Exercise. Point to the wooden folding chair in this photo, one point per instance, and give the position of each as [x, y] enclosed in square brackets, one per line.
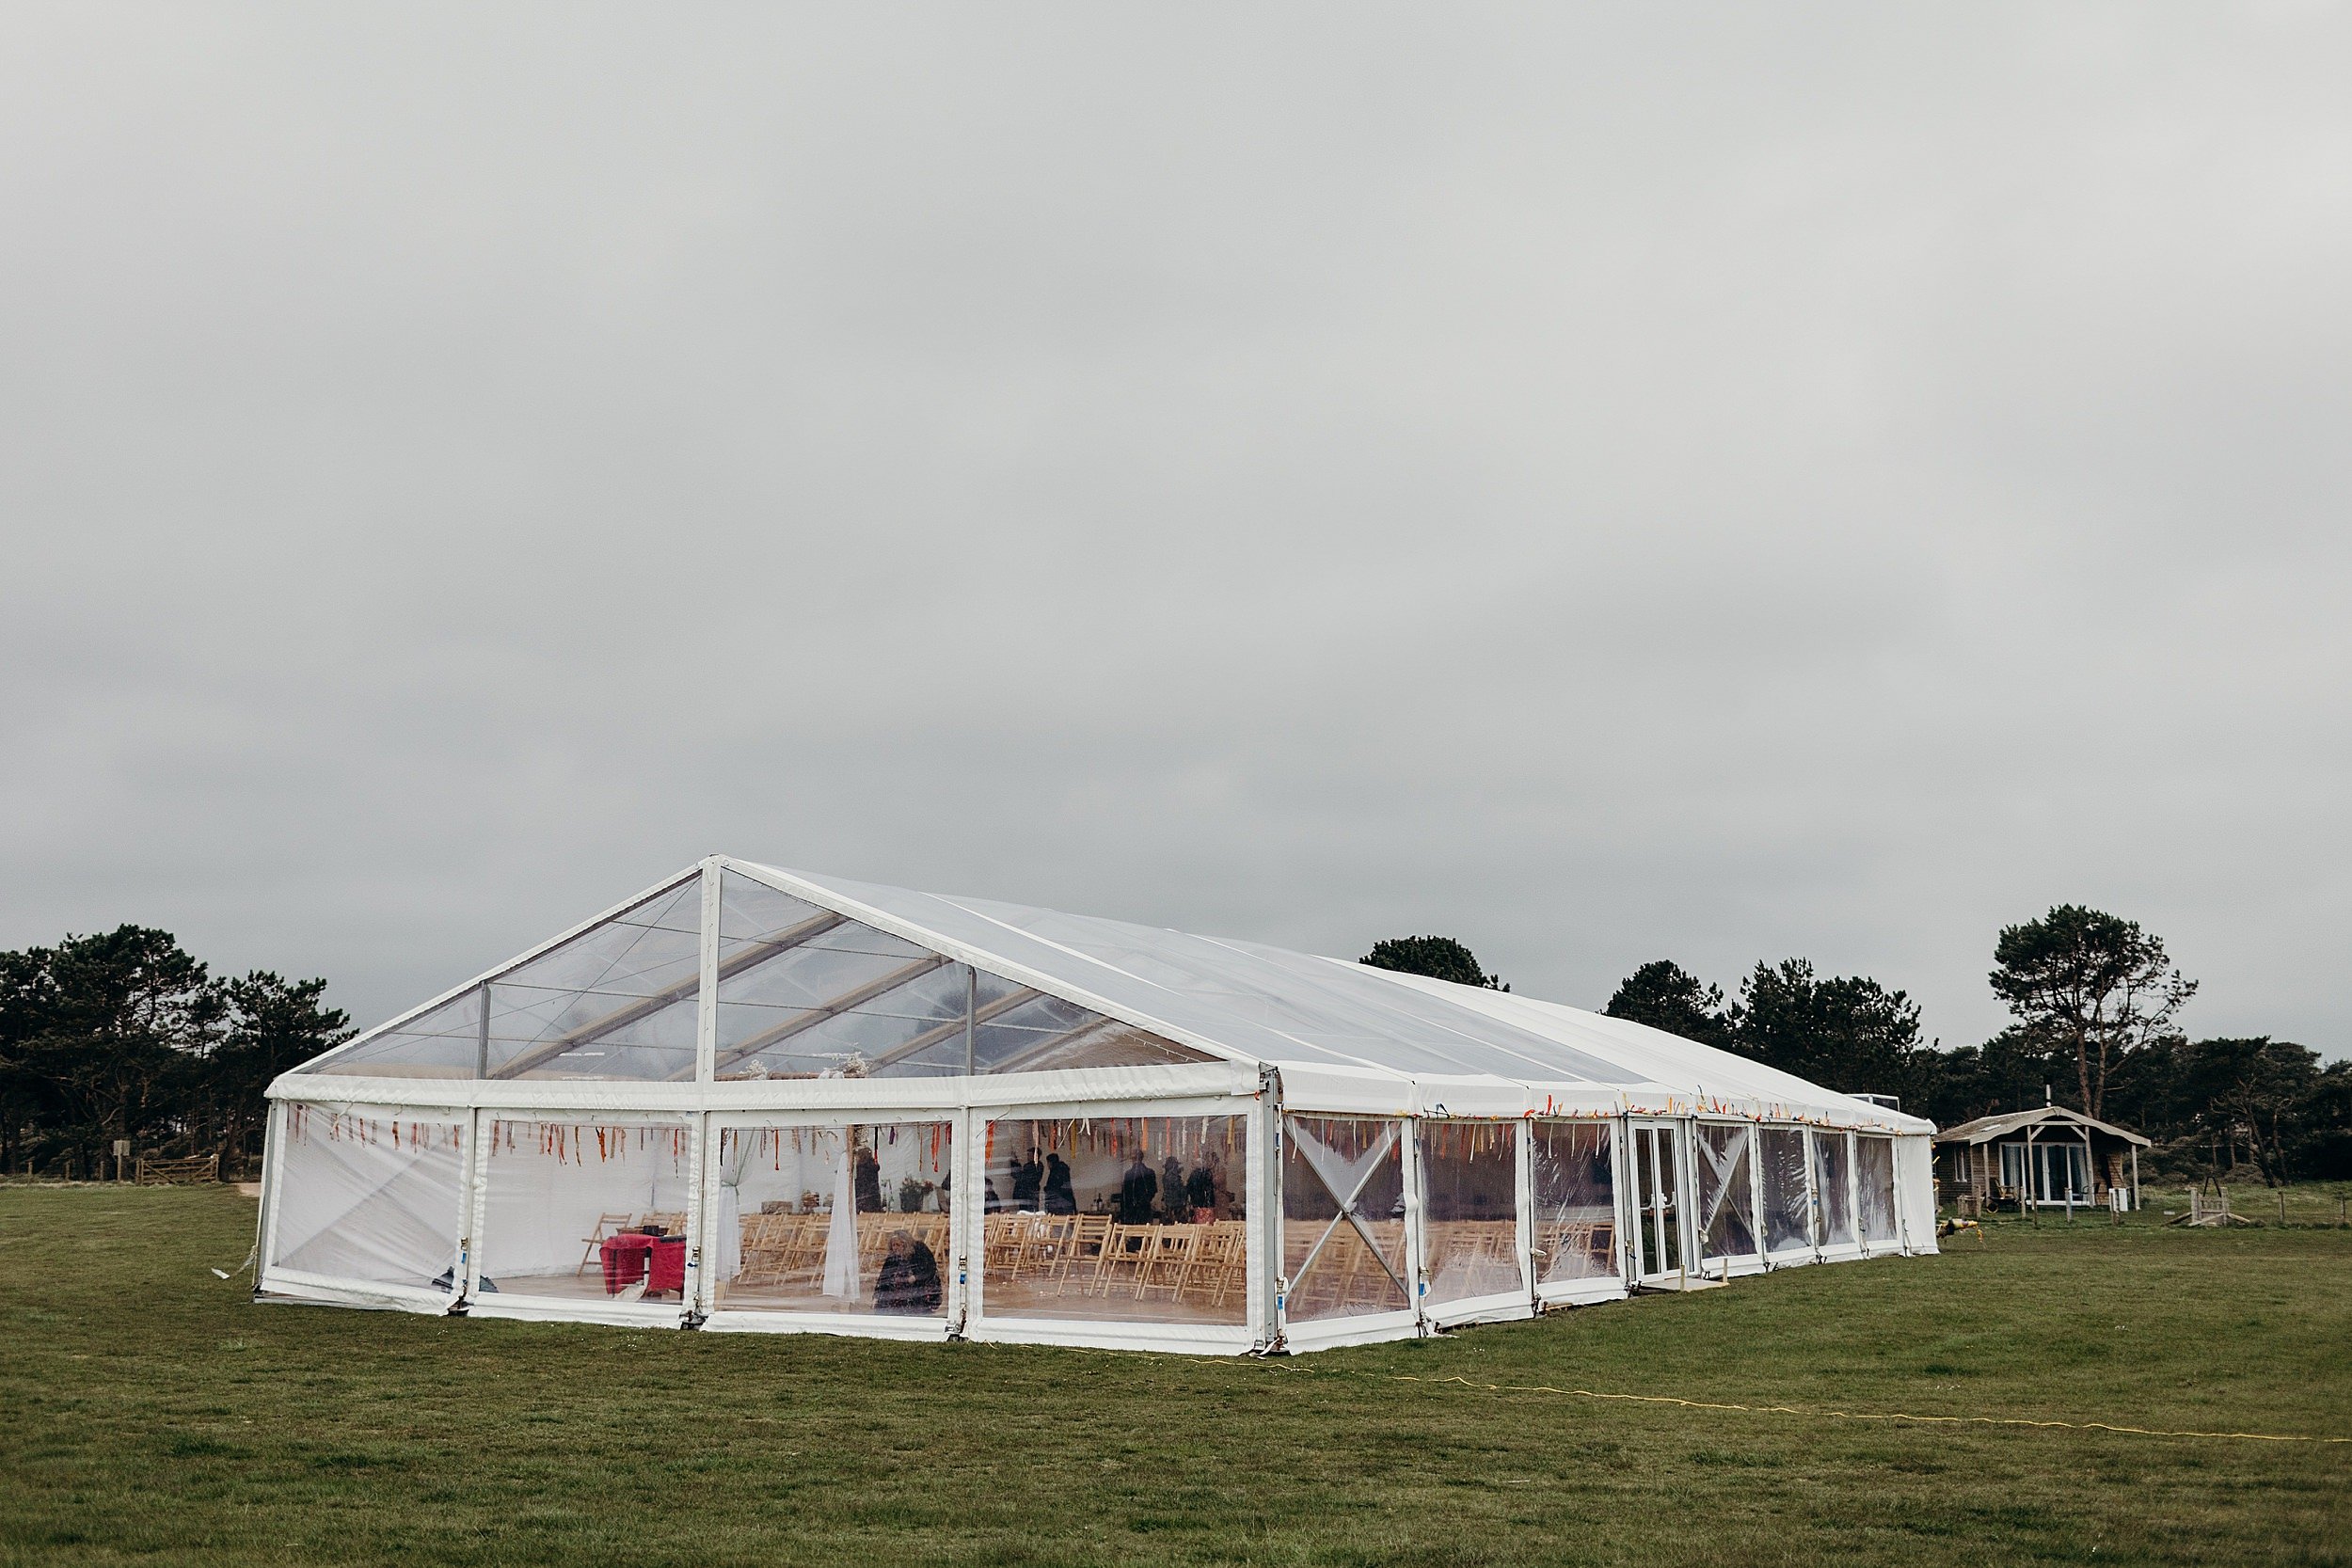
[1222, 1265]
[1123, 1253]
[1081, 1251]
[1039, 1242]
[1169, 1252]
[607, 1224]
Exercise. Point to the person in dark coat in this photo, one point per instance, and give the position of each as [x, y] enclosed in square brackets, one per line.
[1136, 1192]
[1027, 1179]
[865, 1175]
[1200, 1190]
[1173, 1188]
[1059, 1199]
[908, 1280]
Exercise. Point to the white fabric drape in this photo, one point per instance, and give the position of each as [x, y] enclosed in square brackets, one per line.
[726, 1255]
[841, 1239]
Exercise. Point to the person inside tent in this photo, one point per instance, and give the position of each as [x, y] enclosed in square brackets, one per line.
[908, 1280]
[1136, 1192]
[867, 1175]
[1027, 1179]
[1200, 1189]
[1172, 1189]
[1060, 1197]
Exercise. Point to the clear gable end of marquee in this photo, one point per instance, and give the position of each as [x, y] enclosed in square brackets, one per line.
[755, 1099]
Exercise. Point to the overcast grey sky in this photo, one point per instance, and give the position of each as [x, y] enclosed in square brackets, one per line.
[1708, 483]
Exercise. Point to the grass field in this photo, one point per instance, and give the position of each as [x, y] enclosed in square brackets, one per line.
[155, 1415]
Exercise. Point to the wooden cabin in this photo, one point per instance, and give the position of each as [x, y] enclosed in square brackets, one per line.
[2049, 1156]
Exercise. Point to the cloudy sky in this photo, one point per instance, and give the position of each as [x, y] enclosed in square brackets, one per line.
[1713, 484]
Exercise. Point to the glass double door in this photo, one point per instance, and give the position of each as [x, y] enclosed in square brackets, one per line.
[2058, 1169]
[1660, 1248]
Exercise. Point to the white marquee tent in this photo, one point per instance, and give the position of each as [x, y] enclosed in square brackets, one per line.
[758, 1099]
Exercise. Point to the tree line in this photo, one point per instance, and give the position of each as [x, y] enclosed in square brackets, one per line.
[2093, 1001]
[123, 1035]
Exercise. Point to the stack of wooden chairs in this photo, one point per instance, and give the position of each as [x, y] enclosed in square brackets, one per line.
[1591, 1243]
[1346, 1277]
[1205, 1264]
[786, 1252]
[1475, 1257]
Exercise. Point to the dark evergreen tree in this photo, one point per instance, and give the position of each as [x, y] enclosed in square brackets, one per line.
[1438, 958]
[1664, 995]
[1847, 1032]
[2091, 985]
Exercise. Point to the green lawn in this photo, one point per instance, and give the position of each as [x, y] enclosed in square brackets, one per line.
[155, 1415]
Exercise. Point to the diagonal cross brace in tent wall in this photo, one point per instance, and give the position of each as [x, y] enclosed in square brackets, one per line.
[1311, 1145]
[734, 963]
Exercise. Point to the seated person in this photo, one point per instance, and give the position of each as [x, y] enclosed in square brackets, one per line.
[908, 1280]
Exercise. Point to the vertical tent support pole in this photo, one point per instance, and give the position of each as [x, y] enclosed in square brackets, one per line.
[1266, 1220]
[1816, 1230]
[700, 1210]
[482, 1052]
[479, 1127]
[1861, 1243]
[971, 1009]
[698, 1216]
[1756, 1196]
[1527, 1209]
[707, 992]
[1409, 1164]
[1619, 1138]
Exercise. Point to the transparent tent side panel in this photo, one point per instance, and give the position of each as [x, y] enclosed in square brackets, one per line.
[853, 1218]
[1788, 1203]
[1122, 1218]
[1573, 1165]
[1470, 1180]
[588, 1209]
[1726, 1191]
[1833, 1163]
[1874, 1170]
[1343, 1216]
[375, 1197]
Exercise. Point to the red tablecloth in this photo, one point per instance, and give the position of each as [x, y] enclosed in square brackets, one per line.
[659, 1260]
[623, 1260]
[666, 1268]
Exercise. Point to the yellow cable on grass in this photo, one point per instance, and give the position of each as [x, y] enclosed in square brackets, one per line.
[1868, 1415]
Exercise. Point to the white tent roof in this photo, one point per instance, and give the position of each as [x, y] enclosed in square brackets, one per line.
[621, 990]
[1344, 1034]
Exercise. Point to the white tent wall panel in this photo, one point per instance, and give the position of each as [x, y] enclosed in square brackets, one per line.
[1130, 1315]
[371, 1198]
[1915, 1184]
[1564, 1206]
[1475, 1264]
[542, 1185]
